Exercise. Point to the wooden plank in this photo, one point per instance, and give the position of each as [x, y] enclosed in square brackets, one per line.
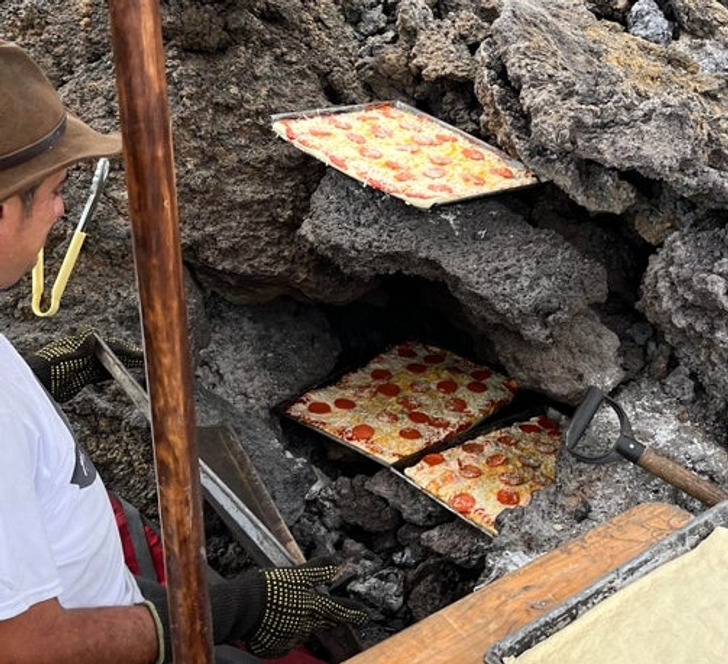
[462, 632]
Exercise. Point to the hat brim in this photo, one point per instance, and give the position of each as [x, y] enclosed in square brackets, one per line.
[78, 143]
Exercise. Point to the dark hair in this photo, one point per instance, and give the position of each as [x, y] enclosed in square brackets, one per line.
[27, 196]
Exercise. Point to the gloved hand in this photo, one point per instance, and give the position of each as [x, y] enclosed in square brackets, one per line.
[67, 365]
[293, 606]
[272, 610]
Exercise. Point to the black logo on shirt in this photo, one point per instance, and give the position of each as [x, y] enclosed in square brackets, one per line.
[84, 472]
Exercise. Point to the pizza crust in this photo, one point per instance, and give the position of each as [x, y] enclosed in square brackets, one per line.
[677, 614]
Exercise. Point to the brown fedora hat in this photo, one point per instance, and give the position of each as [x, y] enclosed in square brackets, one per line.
[38, 136]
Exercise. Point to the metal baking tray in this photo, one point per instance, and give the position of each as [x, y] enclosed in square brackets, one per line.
[671, 547]
[512, 414]
[414, 156]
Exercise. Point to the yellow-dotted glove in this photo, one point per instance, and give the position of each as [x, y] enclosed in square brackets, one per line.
[67, 365]
[295, 606]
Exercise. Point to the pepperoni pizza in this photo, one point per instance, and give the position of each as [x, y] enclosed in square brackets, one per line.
[405, 400]
[480, 478]
[403, 152]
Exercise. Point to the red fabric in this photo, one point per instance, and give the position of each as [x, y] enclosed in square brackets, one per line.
[126, 542]
[157, 552]
[298, 656]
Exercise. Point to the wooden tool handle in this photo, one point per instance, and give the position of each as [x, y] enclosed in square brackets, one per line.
[681, 477]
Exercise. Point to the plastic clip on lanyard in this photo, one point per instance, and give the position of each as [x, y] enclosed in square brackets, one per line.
[69, 261]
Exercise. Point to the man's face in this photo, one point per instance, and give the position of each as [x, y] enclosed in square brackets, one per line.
[23, 231]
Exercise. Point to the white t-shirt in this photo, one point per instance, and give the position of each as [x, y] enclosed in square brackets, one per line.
[58, 536]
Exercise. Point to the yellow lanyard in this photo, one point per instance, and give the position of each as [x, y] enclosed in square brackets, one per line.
[69, 260]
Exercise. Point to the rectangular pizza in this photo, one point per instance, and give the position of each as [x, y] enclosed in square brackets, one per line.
[501, 469]
[403, 152]
[405, 400]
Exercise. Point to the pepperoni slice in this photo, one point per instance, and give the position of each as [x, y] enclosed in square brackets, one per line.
[513, 478]
[472, 448]
[511, 385]
[470, 178]
[529, 428]
[470, 471]
[337, 161]
[387, 416]
[482, 374]
[434, 172]
[344, 404]
[403, 176]
[447, 387]
[362, 432]
[472, 153]
[434, 358]
[394, 165]
[339, 122]
[444, 188]
[411, 149]
[507, 439]
[388, 389]
[409, 403]
[370, 153]
[409, 124]
[424, 139]
[418, 417]
[530, 461]
[439, 422]
[477, 387]
[410, 433]
[416, 368]
[508, 497]
[356, 138]
[381, 374]
[503, 172]
[390, 112]
[547, 423]
[319, 407]
[544, 447]
[433, 459]
[380, 132]
[463, 503]
[496, 459]
[290, 134]
[322, 133]
[439, 160]
[457, 405]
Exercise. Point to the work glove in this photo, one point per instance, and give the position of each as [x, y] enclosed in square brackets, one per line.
[67, 365]
[271, 610]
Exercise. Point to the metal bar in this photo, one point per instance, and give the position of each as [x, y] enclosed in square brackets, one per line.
[149, 164]
[264, 546]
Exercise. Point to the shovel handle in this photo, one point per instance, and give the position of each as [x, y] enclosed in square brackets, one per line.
[681, 477]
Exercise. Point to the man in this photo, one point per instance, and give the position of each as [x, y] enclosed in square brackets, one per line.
[65, 592]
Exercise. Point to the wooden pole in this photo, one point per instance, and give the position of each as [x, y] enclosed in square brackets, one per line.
[148, 156]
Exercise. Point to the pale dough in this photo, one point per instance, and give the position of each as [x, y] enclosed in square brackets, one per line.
[677, 614]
